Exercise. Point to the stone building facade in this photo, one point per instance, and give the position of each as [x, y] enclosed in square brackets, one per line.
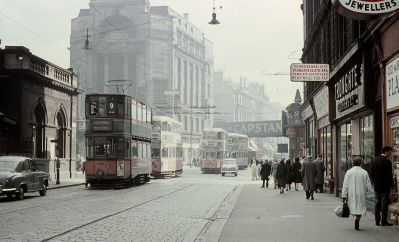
[38, 108]
[349, 115]
[164, 60]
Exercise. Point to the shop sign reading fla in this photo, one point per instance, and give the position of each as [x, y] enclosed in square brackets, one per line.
[361, 9]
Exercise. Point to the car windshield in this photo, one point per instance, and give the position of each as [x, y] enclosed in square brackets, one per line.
[228, 162]
[8, 165]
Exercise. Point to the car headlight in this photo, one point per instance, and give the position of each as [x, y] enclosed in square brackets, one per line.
[5, 182]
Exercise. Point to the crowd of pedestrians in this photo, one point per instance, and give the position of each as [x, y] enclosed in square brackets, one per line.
[358, 184]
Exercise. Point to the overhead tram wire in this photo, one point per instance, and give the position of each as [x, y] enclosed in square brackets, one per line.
[23, 26]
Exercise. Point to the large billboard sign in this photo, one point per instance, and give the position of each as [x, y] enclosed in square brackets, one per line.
[362, 9]
[300, 72]
[271, 128]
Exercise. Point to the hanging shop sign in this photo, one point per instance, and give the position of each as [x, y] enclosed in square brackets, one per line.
[392, 84]
[300, 72]
[320, 101]
[349, 91]
[362, 9]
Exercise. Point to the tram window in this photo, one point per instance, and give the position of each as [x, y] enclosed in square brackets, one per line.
[164, 152]
[139, 112]
[121, 108]
[128, 109]
[164, 126]
[134, 149]
[148, 150]
[140, 150]
[101, 106]
[179, 152]
[134, 110]
[219, 155]
[149, 116]
[155, 153]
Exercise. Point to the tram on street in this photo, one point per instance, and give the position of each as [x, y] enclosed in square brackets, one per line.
[166, 147]
[238, 149]
[118, 140]
[214, 150]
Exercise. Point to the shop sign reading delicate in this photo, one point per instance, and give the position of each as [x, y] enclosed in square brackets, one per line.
[321, 103]
[359, 9]
[392, 84]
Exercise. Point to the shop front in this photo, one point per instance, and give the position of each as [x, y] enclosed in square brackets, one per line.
[392, 115]
[354, 120]
[324, 135]
[309, 119]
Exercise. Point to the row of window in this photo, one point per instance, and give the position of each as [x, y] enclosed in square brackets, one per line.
[116, 147]
[171, 152]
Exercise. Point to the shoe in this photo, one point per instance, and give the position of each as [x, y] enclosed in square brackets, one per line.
[262, 187]
[356, 224]
[311, 197]
[377, 223]
[386, 224]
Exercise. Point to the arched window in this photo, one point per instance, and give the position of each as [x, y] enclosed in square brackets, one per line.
[61, 134]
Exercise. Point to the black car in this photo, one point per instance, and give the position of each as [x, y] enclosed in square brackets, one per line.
[19, 175]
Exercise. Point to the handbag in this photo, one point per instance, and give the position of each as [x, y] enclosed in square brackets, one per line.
[342, 211]
[345, 210]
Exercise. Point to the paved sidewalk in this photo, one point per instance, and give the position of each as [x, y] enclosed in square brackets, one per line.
[77, 180]
[265, 215]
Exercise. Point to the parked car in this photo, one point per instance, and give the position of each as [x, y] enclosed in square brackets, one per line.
[229, 166]
[19, 175]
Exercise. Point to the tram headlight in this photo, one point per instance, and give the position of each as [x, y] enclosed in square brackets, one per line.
[100, 172]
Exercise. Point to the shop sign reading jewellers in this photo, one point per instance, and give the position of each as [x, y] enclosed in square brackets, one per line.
[349, 91]
[362, 9]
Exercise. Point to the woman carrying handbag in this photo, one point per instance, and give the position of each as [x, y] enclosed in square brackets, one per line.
[357, 186]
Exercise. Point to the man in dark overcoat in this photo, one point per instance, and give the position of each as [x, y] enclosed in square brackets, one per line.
[308, 177]
[382, 178]
[320, 168]
[282, 175]
[265, 173]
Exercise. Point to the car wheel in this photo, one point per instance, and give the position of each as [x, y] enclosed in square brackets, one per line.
[222, 174]
[235, 173]
[43, 191]
[9, 195]
[20, 194]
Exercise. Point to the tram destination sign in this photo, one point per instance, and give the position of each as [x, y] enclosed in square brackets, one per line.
[270, 128]
[300, 72]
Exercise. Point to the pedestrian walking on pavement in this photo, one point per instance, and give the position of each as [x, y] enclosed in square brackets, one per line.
[320, 168]
[265, 173]
[381, 176]
[308, 177]
[297, 178]
[282, 175]
[289, 175]
[258, 167]
[274, 170]
[254, 170]
[357, 186]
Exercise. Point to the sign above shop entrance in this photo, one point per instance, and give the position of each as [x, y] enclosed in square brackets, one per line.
[362, 9]
[392, 84]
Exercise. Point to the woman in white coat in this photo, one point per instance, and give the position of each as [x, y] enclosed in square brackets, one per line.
[254, 170]
[357, 186]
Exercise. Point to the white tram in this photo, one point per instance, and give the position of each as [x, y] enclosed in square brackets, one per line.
[214, 150]
[166, 147]
[238, 149]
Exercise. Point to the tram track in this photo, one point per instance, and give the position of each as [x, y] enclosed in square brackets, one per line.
[47, 203]
[114, 214]
[214, 217]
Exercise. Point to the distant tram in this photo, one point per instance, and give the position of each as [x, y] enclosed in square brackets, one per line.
[214, 150]
[238, 149]
[118, 140]
[166, 147]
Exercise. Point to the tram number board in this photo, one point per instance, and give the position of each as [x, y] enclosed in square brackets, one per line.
[101, 125]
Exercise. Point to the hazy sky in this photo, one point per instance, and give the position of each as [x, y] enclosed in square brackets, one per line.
[254, 37]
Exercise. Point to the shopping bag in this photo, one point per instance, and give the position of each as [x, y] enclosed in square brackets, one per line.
[342, 211]
[345, 210]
